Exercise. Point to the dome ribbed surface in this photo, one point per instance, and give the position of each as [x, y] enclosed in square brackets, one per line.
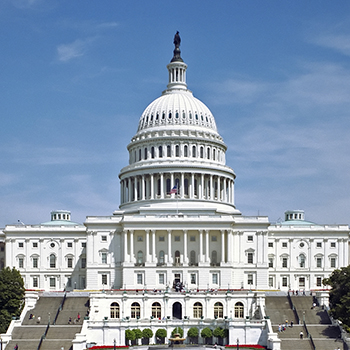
[177, 108]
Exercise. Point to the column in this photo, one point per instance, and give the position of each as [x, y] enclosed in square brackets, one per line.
[200, 245]
[143, 187]
[152, 186]
[172, 181]
[153, 246]
[201, 187]
[212, 194]
[147, 246]
[182, 185]
[125, 245]
[129, 189]
[121, 185]
[225, 191]
[192, 186]
[207, 246]
[185, 248]
[131, 246]
[161, 185]
[135, 189]
[219, 189]
[231, 246]
[169, 247]
[222, 246]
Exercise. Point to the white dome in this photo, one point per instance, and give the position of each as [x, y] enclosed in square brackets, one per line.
[178, 108]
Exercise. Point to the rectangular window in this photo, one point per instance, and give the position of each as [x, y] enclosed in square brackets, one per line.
[215, 278]
[332, 244]
[139, 238]
[284, 281]
[319, 244]
[250, 238]
[270, 281]
[333, 262]
[20, 263]
[192, 238]
[104, 279]
[214, 238]
[70, 244]
[301, 281]
[193, 278]
[35, 244]
[319, 262]
[104, 238]
[284, 245]
[104, 258]
[52, 282]
[319, 281]
[250, 258]
[35, 263]
[270, 244]
[284, 262]
[139, 278]
[161, 238]
[83, 263]
[270, 262]
[35, 282]
[20, 244]
[83, 244]
[70, 263]
[250, 279]
[161, 278]
[177, 238]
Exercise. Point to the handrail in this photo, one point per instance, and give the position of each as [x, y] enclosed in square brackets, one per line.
[60, 307]
[293, 308]
[43, 336]
[309, 336]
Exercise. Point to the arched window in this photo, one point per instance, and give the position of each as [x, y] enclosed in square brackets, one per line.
[168, 186]
[145, 155]
[214, 154]
[194, 151]
[53, 261]
[168, 151]
[140, 154]
[202, 152]
[185, 151]
[156, 310]
[302, 260]
[158, 187]
[161, 257]
[197, 310]
[192, 257]
[218, 310]
[177, 257]
[177, 151]
[214, 257]
[152, 152]
[140, 257]
[160, 152]
[114, 309]
[239, 310]
[208, 152]
[195, 189]
[135, 310]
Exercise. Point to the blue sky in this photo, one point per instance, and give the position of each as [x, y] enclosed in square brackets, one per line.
[76, 76]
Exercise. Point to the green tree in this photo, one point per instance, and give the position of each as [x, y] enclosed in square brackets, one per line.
[219, 333]
[339, 295]
[178, 330]
[206, 334]
[193, 333]
[161, 334]
[147, 333]
[11, 296]
[129, 335]
[138, 334]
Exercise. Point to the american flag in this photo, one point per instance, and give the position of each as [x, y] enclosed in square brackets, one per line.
[174, 189]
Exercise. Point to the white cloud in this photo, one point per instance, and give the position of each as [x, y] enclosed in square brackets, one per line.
[67, 52]
[338, 42]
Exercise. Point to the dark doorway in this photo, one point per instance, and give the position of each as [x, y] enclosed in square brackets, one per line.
[177, 310]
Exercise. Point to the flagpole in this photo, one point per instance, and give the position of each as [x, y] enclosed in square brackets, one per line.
[177, 200]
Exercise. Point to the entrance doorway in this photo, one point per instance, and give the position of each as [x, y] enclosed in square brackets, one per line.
[177, 310]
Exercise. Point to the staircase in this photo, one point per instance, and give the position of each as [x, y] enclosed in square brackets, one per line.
[59, 335]
[324, 335]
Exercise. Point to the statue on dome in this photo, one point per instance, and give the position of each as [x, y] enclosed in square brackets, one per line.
[177, 39]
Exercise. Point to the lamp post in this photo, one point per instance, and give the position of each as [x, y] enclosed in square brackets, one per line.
[0, 343]
[114, 344]
[237, 343]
